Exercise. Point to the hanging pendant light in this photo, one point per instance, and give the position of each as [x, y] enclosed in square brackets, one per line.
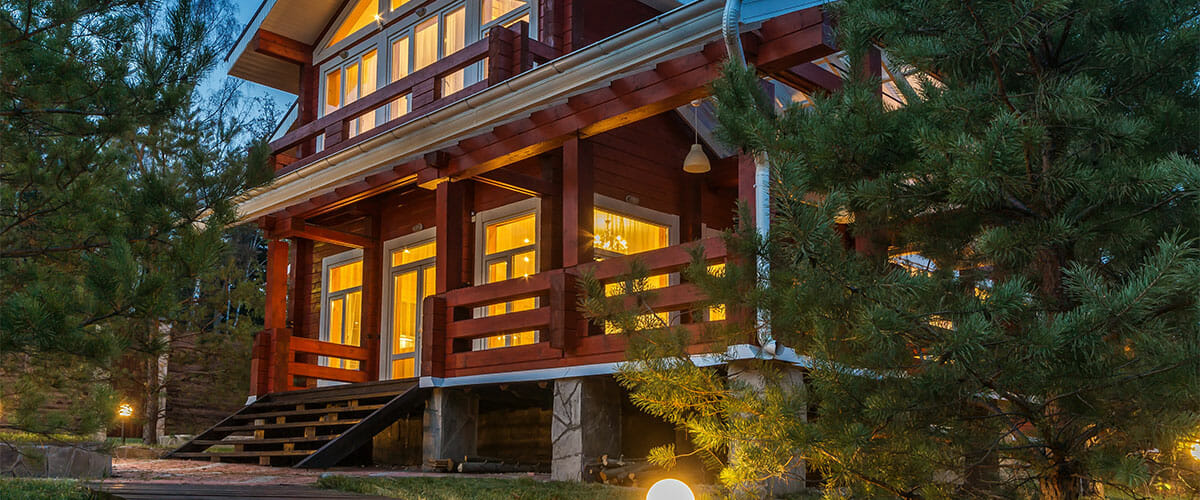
[696, 161]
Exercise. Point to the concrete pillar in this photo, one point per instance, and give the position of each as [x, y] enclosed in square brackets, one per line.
[449, 425]
[791, 378]
[586, 424]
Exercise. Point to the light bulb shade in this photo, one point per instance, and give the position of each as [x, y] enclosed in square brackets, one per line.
[696, 161]
[670, 489]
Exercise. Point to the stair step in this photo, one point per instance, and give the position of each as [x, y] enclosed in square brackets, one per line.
[288, 425]
[313, 439]
[311, 411]
[289, 400]
[232, 454]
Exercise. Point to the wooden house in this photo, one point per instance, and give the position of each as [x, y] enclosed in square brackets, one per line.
[448, 171]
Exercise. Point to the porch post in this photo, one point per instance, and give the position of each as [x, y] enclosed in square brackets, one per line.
[578, 202]
[275, 319]
[372, 314]
[453, 217]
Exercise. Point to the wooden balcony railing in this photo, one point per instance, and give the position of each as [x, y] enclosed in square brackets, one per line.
[566, 339]
[506, 52]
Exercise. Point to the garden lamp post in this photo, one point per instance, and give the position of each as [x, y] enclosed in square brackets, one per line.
[124, 411]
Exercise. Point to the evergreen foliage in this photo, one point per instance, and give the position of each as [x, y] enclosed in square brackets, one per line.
[115, 188]
[1044, 179]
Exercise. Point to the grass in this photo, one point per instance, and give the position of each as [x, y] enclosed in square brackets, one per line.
[29, 437]
[44, 489]
[446, 488]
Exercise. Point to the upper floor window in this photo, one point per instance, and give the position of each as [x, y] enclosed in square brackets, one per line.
[363, 13]
[350, 82]
[502, 12]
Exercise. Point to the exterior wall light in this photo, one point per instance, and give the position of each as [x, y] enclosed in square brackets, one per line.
[670, 489]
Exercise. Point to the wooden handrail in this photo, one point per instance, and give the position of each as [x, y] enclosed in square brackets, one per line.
[322, 348]
[663, 260]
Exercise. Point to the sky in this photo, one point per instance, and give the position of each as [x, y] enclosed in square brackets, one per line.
[245, 10]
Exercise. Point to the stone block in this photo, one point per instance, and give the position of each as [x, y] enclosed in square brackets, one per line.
[586, 424]
[53, 461]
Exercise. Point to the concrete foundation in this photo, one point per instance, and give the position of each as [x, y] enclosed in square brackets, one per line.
[586, 424]
[449, 423]
[792, 378]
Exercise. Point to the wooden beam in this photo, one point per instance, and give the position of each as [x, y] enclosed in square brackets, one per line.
[745, 177]
[790, 41]
[578, 202]
[302, 266]
[527, 185]
[281, 47]
[296, 228]
[810, 78]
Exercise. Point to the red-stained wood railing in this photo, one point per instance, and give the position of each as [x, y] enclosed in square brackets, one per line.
[451, 323]
[506, 52]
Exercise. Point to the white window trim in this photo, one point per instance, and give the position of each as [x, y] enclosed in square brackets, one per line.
[482, 220]
[385, 346]
[328, 263]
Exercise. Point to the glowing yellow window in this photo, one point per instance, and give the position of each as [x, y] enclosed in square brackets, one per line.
[344, 305]
[616, 235]
[717, 312]
[510, 251]
[492, 10]
[413, 275]
[363, 14]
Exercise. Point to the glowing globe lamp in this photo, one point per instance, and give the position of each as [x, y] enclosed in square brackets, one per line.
[1196, 451]
[670, 489]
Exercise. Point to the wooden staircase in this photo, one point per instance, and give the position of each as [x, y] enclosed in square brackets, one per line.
[307, 428]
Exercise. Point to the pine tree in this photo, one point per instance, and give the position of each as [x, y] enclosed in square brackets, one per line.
[997, 285]
[115, 184]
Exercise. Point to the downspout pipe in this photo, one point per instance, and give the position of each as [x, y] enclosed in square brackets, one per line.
[731, 21]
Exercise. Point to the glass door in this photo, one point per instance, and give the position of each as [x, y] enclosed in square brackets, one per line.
[412, 279]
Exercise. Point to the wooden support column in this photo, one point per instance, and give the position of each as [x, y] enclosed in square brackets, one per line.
[578, 202]
[275, 317]
[372, 298]
[453, 216]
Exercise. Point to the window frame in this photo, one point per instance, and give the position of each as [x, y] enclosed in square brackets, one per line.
[385, 347]
[327, 264]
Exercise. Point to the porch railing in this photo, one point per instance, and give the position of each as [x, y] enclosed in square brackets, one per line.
[505, 52]
[450, 325]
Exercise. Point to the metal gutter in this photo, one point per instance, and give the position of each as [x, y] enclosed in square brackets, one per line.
[733, 353]
[665, 36]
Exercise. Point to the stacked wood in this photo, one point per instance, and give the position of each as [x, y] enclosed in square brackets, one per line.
[620, 471]
[481, 465]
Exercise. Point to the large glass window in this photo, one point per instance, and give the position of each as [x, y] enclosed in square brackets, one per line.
[361, 15]
[618, 234]
[343, 310]
[349, 83]
[413, 279]
[510, 251]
